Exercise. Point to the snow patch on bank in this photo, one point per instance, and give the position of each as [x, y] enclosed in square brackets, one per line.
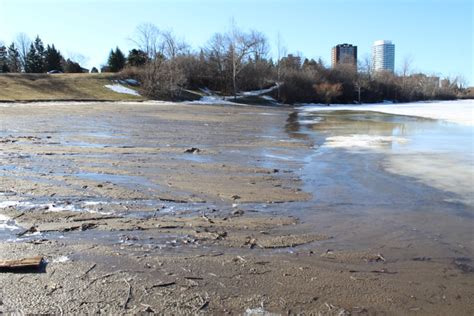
[259, 92]
[121, 89]
[459, 111]
[212, 99]
[269, 98]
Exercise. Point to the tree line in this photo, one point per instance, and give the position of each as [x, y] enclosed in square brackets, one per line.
[234, 61]
[238, 60]
[24, 55]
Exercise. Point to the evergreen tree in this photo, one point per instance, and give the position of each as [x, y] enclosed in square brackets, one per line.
[39, 46]
[35, 57]
[116, 60]
[120, 59]
[52, 58]
[40, 54]
[136, 58]
[3, 59]
[111, 61]
[30, 59]
[13, 58]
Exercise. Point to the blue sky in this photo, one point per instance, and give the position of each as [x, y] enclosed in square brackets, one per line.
[436, 35]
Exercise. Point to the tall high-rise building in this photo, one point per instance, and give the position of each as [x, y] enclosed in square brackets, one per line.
[383, 56]
[344, 54]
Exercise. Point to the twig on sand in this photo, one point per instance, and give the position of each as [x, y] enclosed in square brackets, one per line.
[383, 271]
[97, 218]
[105, 276]
[205, 303]
[129, 294]
[164, 284]
[193, 278]
[379, 257]
[172, 200]
[19, 215]
[88, 270]
[203, 306]
[32, 229]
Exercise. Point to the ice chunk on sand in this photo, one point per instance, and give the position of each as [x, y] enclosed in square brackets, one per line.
[6, 223]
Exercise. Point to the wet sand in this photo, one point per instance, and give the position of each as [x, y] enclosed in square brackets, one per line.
[262, 217]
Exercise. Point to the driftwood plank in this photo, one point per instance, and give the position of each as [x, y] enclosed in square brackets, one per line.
[21, 264]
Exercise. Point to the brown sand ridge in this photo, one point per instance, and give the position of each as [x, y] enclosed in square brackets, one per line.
[129, 222]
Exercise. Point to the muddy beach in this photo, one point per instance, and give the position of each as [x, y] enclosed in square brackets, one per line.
[154, 207]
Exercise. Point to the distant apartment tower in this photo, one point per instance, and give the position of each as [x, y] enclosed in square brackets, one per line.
[383, 56]
[344, 54]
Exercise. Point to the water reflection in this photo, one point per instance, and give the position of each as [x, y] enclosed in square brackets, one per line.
[293, 127]
[349, 122]
[423, 134]
[435, 153]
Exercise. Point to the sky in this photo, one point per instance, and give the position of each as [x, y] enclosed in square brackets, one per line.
[436, 36]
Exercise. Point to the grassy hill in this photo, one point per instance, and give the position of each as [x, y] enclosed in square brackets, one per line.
[43, 87]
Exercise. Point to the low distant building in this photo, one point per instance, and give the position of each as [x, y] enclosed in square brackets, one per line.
[344, 54]
[383, 56]
[105, 69]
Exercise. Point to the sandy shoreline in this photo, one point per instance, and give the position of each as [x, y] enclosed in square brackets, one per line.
[133, 223]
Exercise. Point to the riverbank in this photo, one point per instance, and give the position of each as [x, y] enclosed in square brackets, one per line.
[65, 87]
[110, 87]
[171, 207]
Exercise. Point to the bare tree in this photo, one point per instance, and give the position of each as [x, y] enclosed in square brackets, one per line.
[163, 74]
[366, 66]
[262, 48]
[172, 47]
[150, 77]
[23, 43]
[215, 61]
[241, 46]
[228, 54]
[461, 82]
[406, 66]
[408, 84]
[281, 51]
[148, 39]
[154, 42]
[260, 64]
[163, 78]
[216, 50]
